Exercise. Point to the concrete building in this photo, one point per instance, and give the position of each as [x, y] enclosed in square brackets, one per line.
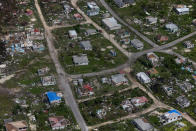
[93, 9]
[80, 60]
[151, 20]
[171, 27]
[168, 90]
[170, 116]
[53, 98]
[143, 77]
[111, 23]
[124, 3]
[48, 81]
[101, 113]
[127, 105]
[142, 124]
[153, 58]
[119, 79]
[90, 32]
[139, 101]
[188, 44]
[137, 44]
[183, 101]
[58, 122]
[16, 126]
[181, 9]
[73, 34]
[86, 45]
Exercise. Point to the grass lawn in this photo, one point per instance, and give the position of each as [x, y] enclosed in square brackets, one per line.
[98, 59]
[181, 49]
[112, 103]
[160, 10]
[120, 126]
[98, 87]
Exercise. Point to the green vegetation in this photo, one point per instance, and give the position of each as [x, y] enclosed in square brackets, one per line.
[112, 105]
[161, 10]
[98, 59]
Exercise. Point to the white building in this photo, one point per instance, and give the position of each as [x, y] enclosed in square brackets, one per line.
[170, 116]
[181, 9]
[93, 9]
[153, 58]
[80, 60]
[111, 23]
[188, 44]
[171, 27]
[73, 34]
[143, 77]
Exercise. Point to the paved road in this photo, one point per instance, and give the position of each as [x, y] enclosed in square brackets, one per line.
[63, 82]
[127, 25]
[104, 33]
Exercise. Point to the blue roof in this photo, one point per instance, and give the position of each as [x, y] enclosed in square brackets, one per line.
[52, 96]
[174, 111]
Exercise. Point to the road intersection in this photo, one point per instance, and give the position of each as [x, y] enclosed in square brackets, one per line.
[63, 77]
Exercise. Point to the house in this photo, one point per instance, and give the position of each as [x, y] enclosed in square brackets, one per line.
[171, 27]
[86, 45]
[152, 72]
[124, 3]
[168, 90]
[80, 60]
[153, 58]
[86, 90]
[194, 22]
[93, 9]
[119, 79]
[123, 33]
[170, 116]
[67, 8]
[105, 80]
[125, 41]
[43, 71]
[142, 124]
[181, 9]
[73, 34]
[188, 44]
[180, 60]
[137, 44]
[139, 101]
[48, 81]
[101, 113]
[151, 20]
[113, 53]
[53, 97]
[185, 86]
[183, 101]
[90, 32]
[141, 76]
[16, 126]
[111, 23]
[77, 16]
[162, 38]
[127, 105]
[58, 122]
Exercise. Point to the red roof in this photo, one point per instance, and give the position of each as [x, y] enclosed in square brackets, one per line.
[88, 87]
[36, 30]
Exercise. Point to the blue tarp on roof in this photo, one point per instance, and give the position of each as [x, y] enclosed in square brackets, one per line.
[174, 111]
[52, 96]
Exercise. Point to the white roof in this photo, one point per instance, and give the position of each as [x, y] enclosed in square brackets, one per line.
[143, 76]
[72, 33]
[111, 22]
[92, 5]
[185, 9]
